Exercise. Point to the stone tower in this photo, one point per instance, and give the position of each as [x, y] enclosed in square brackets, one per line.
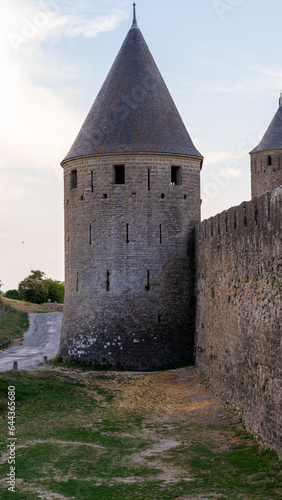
[266, 158]
[132, 201]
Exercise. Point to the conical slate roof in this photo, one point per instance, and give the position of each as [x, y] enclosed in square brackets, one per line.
[272, 138]
[134, 111]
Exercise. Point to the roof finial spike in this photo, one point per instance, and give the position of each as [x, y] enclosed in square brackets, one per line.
[134, 15]
[280, 99]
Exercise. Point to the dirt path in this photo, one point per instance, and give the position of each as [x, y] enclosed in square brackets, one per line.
[41, 339]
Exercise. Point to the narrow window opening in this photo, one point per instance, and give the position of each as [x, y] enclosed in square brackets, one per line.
[119, 174]
[269, 161]
[256, 215]
[161, 236]
[108, 282]
[149, 180]
[73, 179]
[159, 319]
[212, 229]
[127, 233]
[175, 176]
[185, 197]
[268, 209]
[77, 282]
[92, 181]
[245, 217]
[105, 196]
[235, 221]
[82, 198]
[162, 195]
[90, 235]
[147, 287]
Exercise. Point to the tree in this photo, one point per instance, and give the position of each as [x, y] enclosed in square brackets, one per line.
[13, 294]
[56, 291]
[37, 289]
[36, 275]
[33, 290]
[1, 284]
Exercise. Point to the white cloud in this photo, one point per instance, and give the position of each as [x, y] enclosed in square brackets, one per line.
[31, 21]
[38, 125]
[234, 173]
[222, 156]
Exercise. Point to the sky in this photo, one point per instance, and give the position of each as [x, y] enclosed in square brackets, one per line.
[221, 60]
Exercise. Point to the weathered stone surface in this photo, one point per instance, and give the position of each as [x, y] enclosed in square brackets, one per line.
[238, 325]
[265, 176]
[115, 312]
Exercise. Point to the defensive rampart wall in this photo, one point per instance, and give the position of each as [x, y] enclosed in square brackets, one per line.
[238, 325]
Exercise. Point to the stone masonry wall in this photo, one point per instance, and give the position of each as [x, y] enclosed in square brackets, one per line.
[130, 260]
[239, 305]
[266, 171]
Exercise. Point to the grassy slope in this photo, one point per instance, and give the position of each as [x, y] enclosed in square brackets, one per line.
[13, 326]
[27, 307]
[115, 436]
[15, 323]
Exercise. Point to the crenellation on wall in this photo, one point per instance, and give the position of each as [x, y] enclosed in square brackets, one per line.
[254, 215]
[238, 318]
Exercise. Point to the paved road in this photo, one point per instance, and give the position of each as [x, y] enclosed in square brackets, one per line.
[41, 339]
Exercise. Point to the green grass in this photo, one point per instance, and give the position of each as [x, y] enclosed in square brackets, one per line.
[13, 326]
[77, 438]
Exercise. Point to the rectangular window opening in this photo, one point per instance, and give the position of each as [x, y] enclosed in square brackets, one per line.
[161, 236]
[73, 179]
[149, 180]
[159, 319]
[127, 233]
[147, 287]
[92, 181]
[175, 176]
[108, 282]
[77, 282]
[90, 235]
[119, 174]
[162, 196]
